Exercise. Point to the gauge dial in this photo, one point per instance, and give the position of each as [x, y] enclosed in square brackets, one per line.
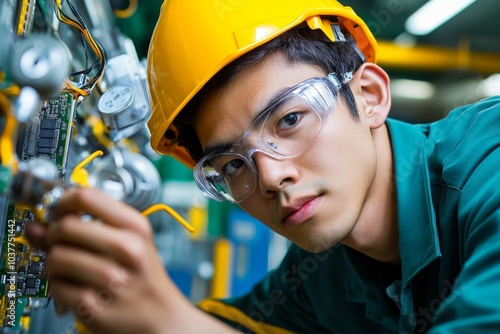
[116, 99]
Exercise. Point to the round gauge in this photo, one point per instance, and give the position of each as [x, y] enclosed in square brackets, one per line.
[116, 99]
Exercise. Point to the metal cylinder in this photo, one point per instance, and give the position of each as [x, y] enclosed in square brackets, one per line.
[127, 176]
[41, 62]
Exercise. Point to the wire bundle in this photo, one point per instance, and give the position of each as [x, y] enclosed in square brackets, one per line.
[81, 90]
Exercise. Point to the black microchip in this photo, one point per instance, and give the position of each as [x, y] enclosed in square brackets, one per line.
[48, 124]
[45, 142]
[31, 283]
[43, 150]
[21, 248]
[47, 133]
[33, 267]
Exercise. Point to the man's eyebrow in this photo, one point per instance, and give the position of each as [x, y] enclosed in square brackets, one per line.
[273, 104]
[217, 147]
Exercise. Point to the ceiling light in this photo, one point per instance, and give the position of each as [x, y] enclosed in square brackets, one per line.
[433, 14]
[412, 89]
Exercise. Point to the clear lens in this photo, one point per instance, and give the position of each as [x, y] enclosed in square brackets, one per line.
[289, 130]
[286, 129]
[227, 177]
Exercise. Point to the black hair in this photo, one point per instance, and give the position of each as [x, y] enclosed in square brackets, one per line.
[300, 45]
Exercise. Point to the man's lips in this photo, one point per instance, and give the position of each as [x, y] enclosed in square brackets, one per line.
[299, 210]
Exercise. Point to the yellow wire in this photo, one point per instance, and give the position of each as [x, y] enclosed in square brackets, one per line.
[22, 17]
[62, 17]
[7, 155]
[169, 210]
[12, 90]
[4, 104]
[75, 90]
[88, 159]
[79, 174]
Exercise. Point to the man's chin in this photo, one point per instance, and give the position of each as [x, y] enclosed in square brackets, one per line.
[316, 247]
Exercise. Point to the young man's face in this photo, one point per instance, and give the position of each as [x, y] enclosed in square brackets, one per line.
[313, 199]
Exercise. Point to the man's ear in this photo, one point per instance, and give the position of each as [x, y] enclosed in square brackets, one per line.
[375, 93]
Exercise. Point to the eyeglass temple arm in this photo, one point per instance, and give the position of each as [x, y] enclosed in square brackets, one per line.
[335, 81]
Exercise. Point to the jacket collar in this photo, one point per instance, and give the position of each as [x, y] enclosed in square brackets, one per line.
[418, 237]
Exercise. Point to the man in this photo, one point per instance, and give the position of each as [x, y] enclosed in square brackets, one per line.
[280, 107]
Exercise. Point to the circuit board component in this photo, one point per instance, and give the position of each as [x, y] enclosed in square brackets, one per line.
[22, 269]
[49, 134]
[23, 276]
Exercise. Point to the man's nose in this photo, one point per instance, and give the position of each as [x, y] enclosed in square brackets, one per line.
[274, 174]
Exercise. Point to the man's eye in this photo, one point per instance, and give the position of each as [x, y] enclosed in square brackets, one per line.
[232, 167]
[288, 121]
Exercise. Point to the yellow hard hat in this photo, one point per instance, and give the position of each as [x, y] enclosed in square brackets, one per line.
[193, 40]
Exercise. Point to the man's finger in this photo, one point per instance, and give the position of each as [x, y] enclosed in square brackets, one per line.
[88, 201]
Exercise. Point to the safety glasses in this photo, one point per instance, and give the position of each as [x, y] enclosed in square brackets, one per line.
[283, 130]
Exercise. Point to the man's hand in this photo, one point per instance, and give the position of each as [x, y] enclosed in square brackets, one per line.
[106, 270]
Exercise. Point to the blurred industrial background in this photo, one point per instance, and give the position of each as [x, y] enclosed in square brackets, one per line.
[449, 57]
[454, 63]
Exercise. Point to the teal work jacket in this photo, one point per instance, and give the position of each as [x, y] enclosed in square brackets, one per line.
[447, 178]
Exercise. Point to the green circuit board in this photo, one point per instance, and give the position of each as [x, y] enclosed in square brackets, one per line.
[49, 134]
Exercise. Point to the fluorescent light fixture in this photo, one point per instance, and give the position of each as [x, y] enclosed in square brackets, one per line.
[433, 14]
[412, 89]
